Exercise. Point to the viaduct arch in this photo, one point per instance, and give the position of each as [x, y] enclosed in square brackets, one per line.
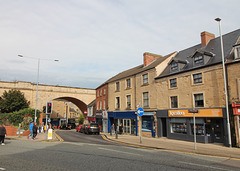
[81, 97]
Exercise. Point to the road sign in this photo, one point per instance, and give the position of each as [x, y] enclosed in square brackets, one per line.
[140, 111]
[193, 111]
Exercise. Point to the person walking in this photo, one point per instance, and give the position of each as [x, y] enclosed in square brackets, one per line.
[34, 131]
[2, 134]
[31, 130]
[120, 128]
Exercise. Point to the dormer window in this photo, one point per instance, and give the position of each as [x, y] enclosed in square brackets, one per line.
[174, 67]
[198, 60]
[237, 52]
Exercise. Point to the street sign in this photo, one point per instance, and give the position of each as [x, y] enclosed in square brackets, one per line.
[193, 111]
[140, 111]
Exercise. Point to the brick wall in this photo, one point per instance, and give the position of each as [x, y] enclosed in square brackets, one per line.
[12, 131]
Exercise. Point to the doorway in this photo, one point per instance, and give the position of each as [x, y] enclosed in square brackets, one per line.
[164, 127]
[127, 126]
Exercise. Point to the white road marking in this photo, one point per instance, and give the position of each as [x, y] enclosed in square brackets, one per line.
[2, 168]
[119, 151]
[194, 164]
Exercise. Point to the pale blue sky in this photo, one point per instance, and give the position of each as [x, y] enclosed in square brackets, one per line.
[96, 39]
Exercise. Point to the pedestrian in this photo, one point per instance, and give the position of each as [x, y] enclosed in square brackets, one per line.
[2, 134]
[31, 130]
[112, 129]
[120, 128]
[35, 130]
[44, 128]
[39, 129]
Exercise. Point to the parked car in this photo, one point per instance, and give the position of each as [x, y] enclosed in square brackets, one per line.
[92, 128]
[65, 126]
[78, 128]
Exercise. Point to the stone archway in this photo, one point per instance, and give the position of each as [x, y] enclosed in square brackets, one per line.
[80, 104]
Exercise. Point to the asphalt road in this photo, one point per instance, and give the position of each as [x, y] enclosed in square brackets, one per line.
[90, 152]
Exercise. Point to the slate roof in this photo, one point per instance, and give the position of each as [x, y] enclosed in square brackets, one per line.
[212, 48]
[138, 69]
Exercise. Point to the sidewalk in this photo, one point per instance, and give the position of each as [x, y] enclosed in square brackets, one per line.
[39, 137]
[177, 145]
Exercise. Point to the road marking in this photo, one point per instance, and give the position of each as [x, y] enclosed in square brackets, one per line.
[194, 164]
[118, 151]
[2, 168]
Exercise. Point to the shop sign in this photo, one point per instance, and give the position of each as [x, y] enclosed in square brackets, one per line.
[202, 113]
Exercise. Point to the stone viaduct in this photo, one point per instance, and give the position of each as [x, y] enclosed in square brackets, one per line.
[81, 97]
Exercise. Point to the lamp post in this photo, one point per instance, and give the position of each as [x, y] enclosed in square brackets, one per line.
[35, 116]
[225, 83]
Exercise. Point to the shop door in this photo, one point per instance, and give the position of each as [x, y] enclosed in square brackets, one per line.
[217, 131]
[127, 126]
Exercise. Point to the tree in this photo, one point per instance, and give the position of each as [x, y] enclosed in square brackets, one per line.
[13, 101]
[81, 119]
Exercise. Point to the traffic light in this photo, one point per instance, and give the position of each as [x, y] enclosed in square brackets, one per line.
[49, 108]
[44, 109]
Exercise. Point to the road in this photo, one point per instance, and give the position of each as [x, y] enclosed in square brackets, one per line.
[91, 152]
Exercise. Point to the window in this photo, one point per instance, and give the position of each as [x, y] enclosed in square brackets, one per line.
[101, 92]
[197, 78]
[146, 123]
[237, 52]
[145, 78]
[104, 91]
[174, 67]
[97, 93]
[101, 105]
[179, 128]
[104, 104]
[145, 99]
[173, 83]
[128, 101]
[198, 98]
[198, 60]
[117, 102]
[199, 129]
[128, 83]
[97, 105]
[117, 86]
[174, 102]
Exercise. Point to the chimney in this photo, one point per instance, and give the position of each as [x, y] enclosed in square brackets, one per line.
[206, 37]
[149, 57]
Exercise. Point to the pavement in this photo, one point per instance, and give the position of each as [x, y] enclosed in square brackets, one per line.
[40, 137]
[164, 144]
[209, 149]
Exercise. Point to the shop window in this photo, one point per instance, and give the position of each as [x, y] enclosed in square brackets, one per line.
[145, 99]
[117, 102]
[198, 98]
[174, 102]
[197, 78]
[179, 128]
[145, 78]
[146, 123]
[117, 86]
[128, 82]
[199, 129]
[128, 101]
[173, 83]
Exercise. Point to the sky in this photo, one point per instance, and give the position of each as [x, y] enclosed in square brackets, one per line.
[96, 39]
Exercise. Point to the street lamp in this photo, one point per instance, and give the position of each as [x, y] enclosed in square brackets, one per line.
[225, 83]
[56, 60]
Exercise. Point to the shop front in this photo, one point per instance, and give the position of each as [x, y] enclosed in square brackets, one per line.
[148, 127]
[127, 119]
[178, 124]
[99, 119]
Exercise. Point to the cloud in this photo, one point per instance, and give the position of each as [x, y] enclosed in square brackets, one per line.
[95, 40]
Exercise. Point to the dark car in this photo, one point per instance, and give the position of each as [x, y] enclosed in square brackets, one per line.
[92, 128]
[65, 126]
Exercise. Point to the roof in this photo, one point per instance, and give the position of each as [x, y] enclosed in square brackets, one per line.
[138, 69]
[212, 49]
